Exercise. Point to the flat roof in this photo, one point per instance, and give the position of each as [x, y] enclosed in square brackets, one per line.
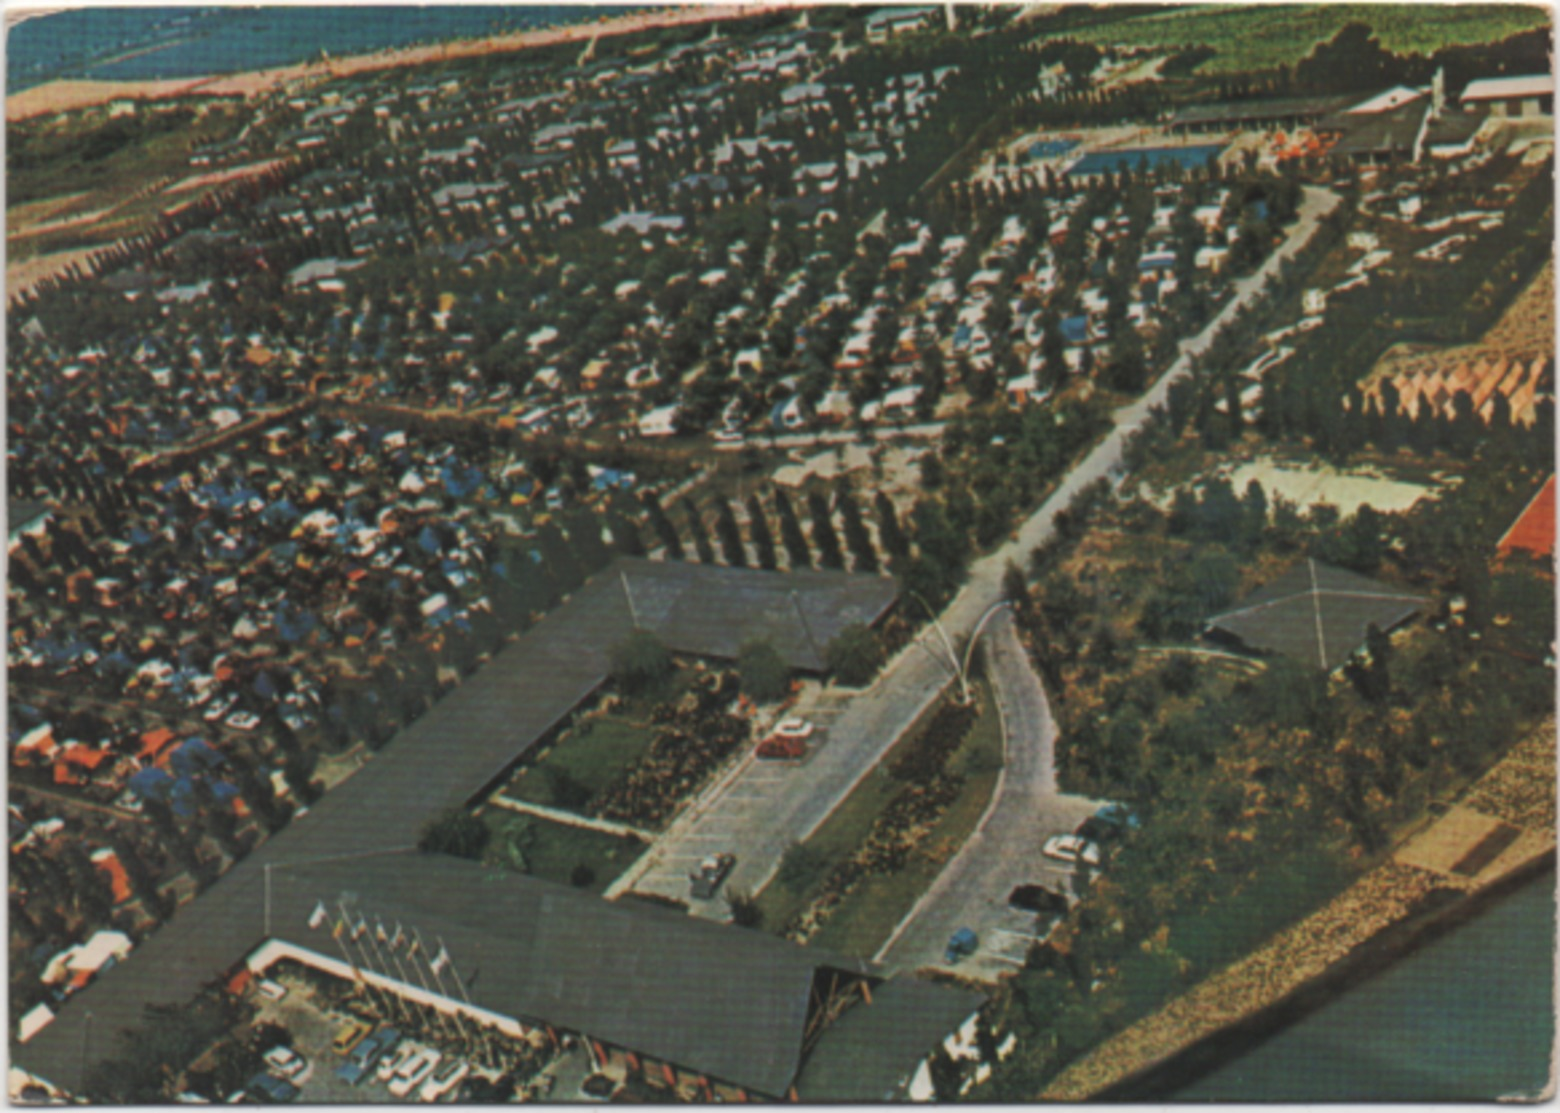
[1496, 88]
[464, 743]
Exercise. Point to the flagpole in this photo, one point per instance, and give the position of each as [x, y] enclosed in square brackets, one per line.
[464, 996]
[373, 991]
[435, 968]
[437, 1012]
[380, 958]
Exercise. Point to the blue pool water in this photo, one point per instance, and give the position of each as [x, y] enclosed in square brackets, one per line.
[1131, 158]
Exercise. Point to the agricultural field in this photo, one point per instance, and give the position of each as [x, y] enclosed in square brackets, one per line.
[1246, 39]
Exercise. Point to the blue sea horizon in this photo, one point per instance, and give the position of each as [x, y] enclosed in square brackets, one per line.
[148, 44]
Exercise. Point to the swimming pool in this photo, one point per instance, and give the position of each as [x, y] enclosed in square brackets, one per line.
[1131, 158]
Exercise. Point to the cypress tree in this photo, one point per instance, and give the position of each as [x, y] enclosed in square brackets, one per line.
[791, 533]
[730, 535]
[701, 536]
[856, 535]
[758, 531]
[663, 526]
[824, 537]
[894, 540]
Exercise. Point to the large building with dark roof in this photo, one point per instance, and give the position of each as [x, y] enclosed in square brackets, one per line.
[728, 1004]
[1315, 614]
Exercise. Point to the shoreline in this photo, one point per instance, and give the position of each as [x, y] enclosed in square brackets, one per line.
[70, 94]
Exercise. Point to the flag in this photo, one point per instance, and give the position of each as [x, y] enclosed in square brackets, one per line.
[380, 933]
[411, 952]
[318, 916]
[360, 929]
[395, 940]
[440, 960]
[340, 929]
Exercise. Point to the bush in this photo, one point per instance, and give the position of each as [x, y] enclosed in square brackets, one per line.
[854, 656]
[456, 832]
[640, 662]
[764, 674]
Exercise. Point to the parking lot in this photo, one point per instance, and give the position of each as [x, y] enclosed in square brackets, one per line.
[723, 820]
[314, 1025]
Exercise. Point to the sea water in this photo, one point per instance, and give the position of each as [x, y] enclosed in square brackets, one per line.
[1469, 1017]
[141, 44]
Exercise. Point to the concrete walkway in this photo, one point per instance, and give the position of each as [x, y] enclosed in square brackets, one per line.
[570, 819]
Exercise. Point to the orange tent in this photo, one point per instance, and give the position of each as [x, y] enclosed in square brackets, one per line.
[154, 741]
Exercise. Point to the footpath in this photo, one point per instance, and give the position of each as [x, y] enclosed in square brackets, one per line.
[1501, 831]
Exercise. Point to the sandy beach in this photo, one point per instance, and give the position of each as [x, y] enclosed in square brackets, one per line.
[64, 96]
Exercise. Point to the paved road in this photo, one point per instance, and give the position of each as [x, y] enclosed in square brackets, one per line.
[1004, 851]
[758, 809]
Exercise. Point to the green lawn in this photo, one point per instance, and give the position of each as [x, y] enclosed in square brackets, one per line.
[1257, 38]
[568, 773]
[864, 920]
[557, 851]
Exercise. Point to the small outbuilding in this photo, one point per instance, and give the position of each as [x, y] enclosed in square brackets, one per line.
[1315, 614]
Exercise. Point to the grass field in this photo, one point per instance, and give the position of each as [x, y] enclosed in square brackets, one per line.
[864, 920]
[558, 852]
[1252, 37]
[583, 764]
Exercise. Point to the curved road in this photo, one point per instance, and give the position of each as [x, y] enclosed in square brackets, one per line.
[1004, 850]
[758, 809]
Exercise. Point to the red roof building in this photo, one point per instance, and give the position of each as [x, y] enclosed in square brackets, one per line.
[1534, 529]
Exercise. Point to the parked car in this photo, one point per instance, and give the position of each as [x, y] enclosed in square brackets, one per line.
[391, 1065]
[710, 873]
[1072, 849]
[415, 1071]
[349, 1035]
[270, 1090]
[366, 1055]
[284, 1062]
[793, 728]
[445, 1080]
[961, 945]
[1038, 899]
[269, 989]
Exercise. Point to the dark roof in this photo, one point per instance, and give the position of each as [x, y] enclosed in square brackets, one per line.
[728, 1002]
[453, 752]
[20, 513]
[1316, 614]
[1454, 127]
[1256, 111]
[871, 1052]
[712, 611]
[1390, 132]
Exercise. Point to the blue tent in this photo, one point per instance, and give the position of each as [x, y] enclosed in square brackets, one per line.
[193, 757]
[183, 797]
[428, 540]
[1075, 330]
[151, 784]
